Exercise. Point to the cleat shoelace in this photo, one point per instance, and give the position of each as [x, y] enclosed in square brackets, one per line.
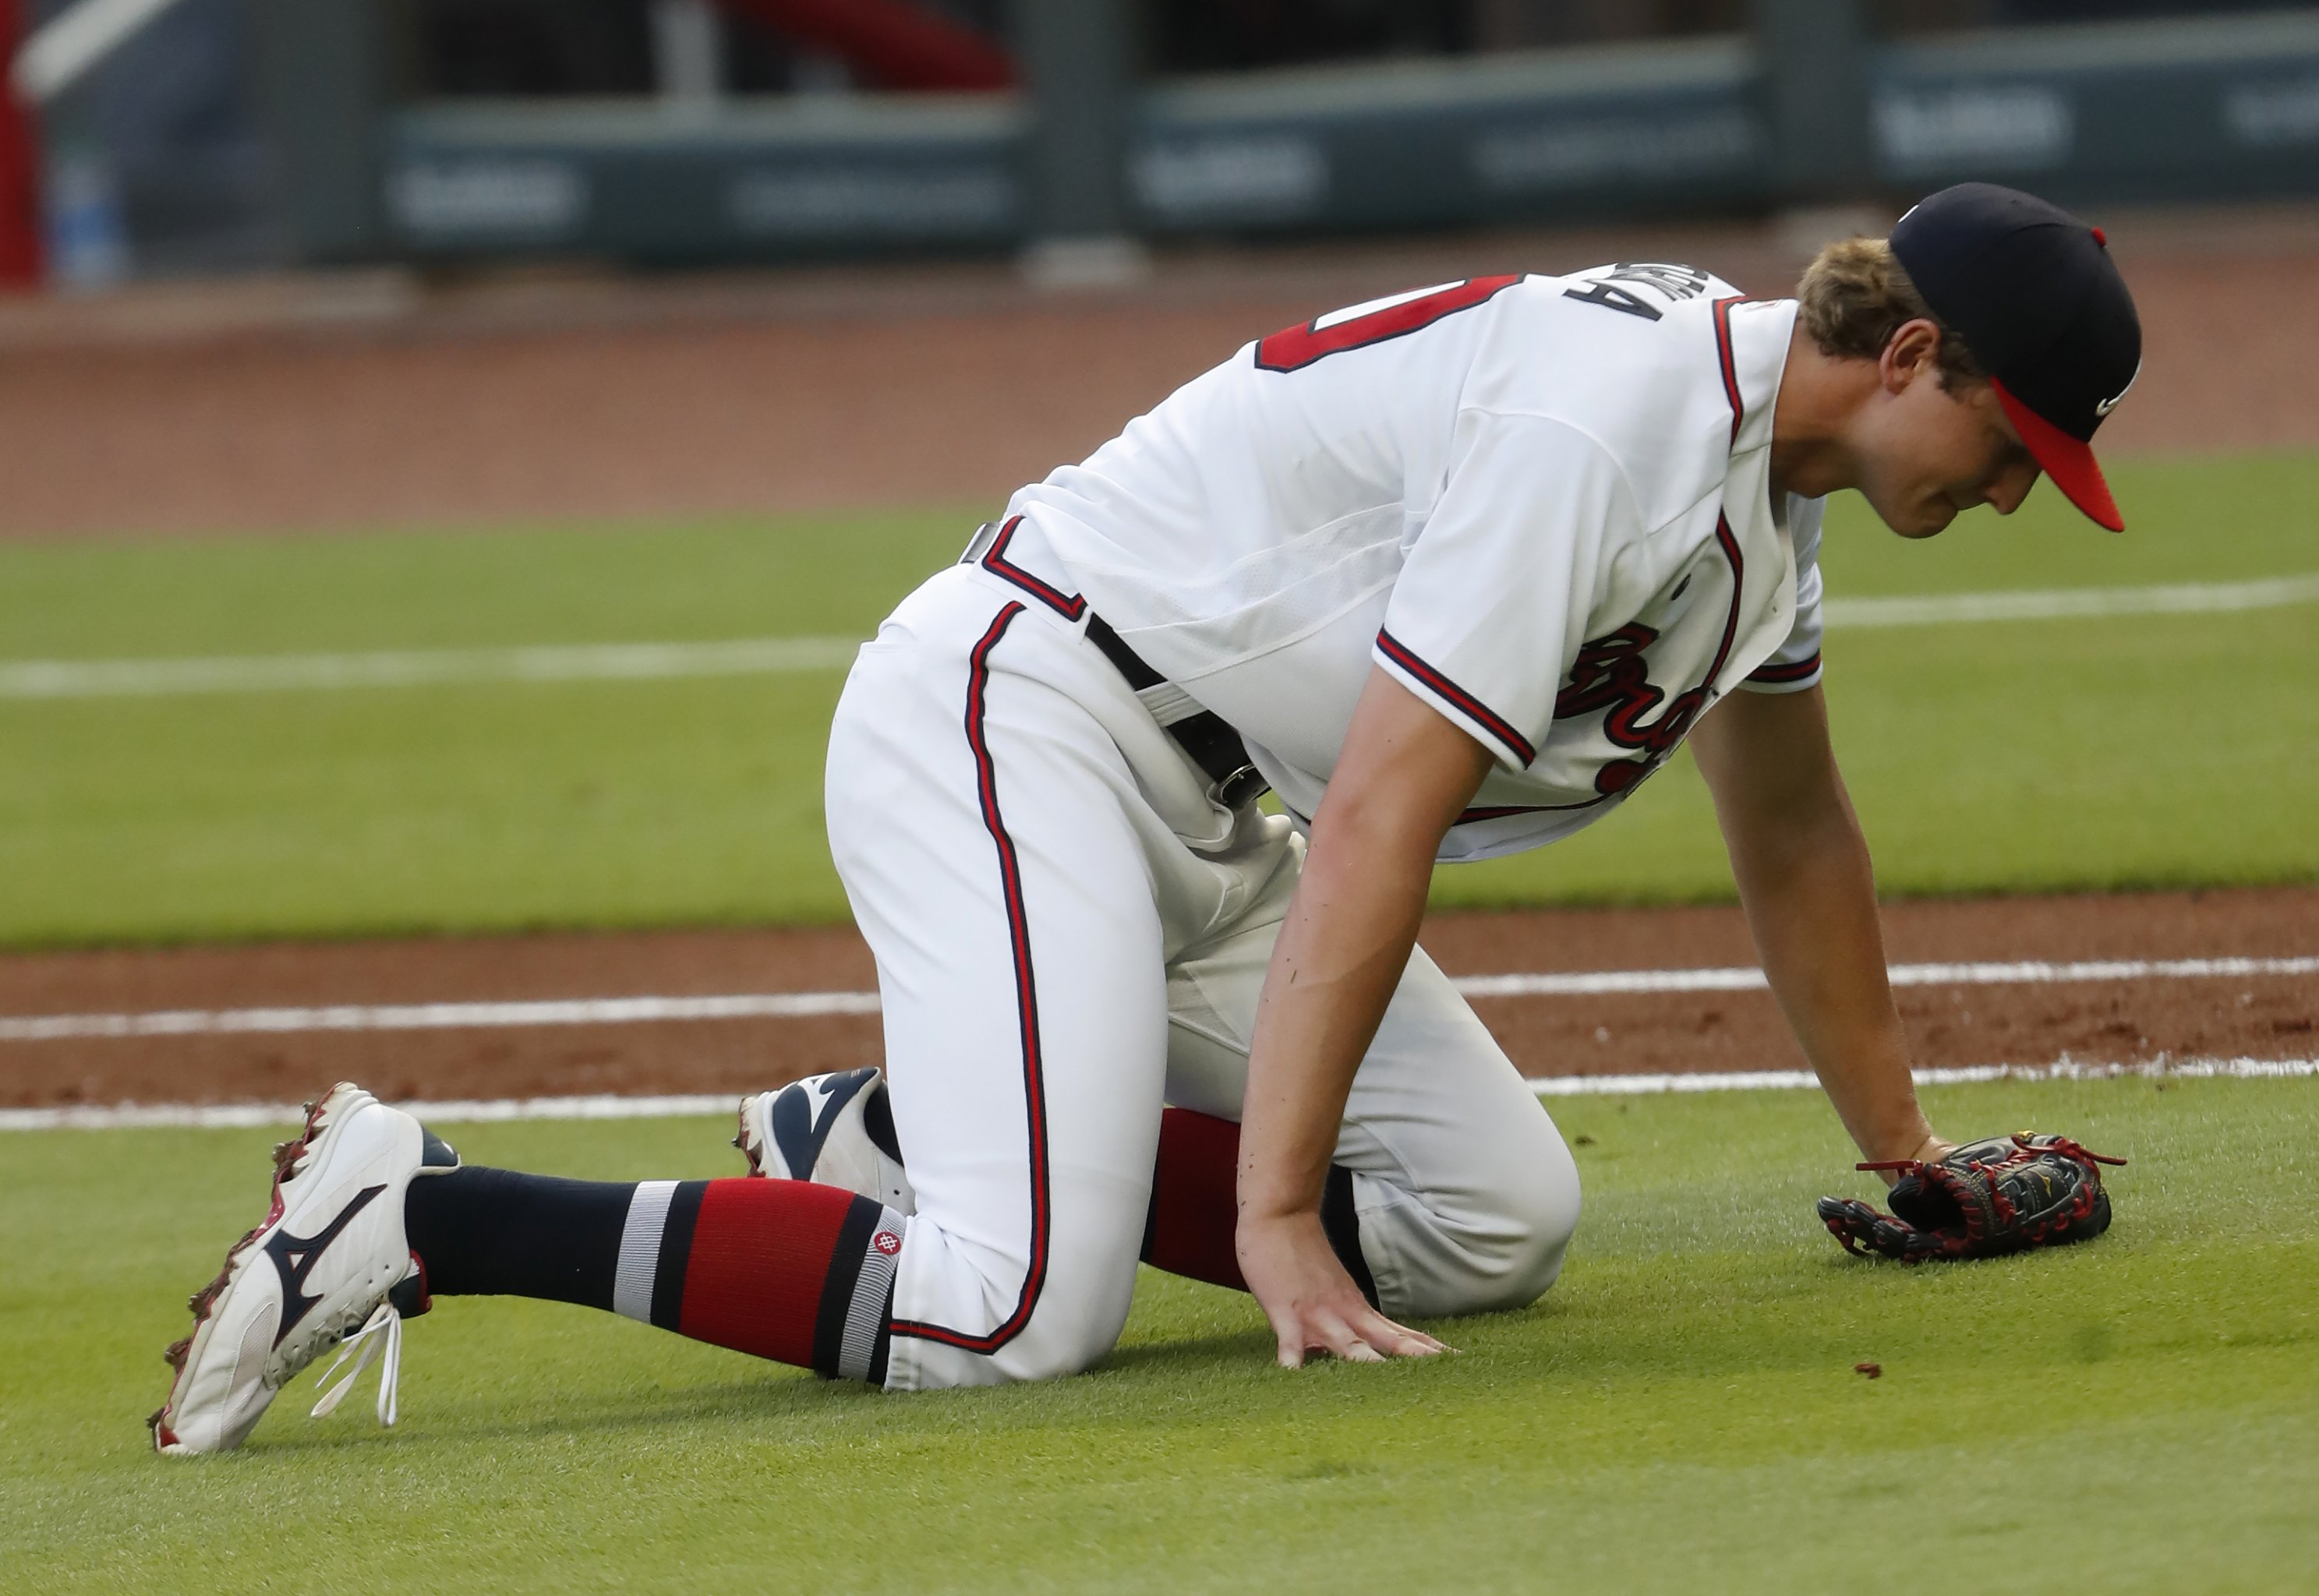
[380, 1338]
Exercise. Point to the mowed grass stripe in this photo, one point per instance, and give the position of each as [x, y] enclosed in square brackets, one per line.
[2148, 749]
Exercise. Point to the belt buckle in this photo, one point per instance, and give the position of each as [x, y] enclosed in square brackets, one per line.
[979, 544]
[1242, 785]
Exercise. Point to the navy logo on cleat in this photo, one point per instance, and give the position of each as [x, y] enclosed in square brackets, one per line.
[799, 1131]
[296, 1257]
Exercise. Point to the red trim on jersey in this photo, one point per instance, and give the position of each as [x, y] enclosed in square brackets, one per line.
[1502, 811]
[1027, 1006]
[1292, 348]
[1731, 542]
[1723, 357]
[1795, 670]
[1069, 606]
[1497, 724]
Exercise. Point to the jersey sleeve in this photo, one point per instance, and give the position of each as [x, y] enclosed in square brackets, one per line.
[1482, 616]
[1795, 664]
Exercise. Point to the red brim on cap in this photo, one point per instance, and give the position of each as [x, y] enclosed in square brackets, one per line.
[2069, 460]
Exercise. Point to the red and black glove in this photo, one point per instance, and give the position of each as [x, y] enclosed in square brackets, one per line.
[1992, 1197]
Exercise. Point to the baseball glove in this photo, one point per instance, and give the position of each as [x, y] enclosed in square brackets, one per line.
[1983, 1200]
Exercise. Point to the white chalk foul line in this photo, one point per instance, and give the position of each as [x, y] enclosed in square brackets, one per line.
[438, 1016]
[620, 662]
[755, 656]
[1741, 1080]
[784, 1006]
[2189, 598]
[1741, 978]
[223, 1116]
[243, 1115]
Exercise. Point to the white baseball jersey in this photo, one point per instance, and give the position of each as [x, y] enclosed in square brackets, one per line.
[1541, 502]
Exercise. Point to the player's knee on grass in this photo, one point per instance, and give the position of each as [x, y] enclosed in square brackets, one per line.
[1496, 1245]
[1081, 1304]
[1544, 1204]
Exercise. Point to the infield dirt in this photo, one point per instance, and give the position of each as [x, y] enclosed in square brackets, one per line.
[2090, 1022]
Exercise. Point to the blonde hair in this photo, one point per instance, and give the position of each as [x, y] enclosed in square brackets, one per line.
[1856, 296]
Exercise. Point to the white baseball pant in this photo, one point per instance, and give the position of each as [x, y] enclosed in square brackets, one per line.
[1070, 935]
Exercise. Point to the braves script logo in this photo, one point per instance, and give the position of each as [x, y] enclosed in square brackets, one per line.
[1611, 675]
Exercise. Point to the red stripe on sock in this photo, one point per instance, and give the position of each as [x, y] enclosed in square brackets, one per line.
[1195, 1206]
[761, 1255]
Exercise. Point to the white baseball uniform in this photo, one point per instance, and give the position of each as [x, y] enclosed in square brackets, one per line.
[1542, 504]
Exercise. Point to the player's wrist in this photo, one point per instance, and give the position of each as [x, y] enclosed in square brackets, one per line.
[1282, 1210]
[1916, 1144]
[1913, 1139]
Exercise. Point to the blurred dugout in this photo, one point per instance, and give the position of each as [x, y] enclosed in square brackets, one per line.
[211, 135]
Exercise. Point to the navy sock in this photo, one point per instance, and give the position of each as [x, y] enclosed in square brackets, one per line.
[495, 1232]
[783, 1269]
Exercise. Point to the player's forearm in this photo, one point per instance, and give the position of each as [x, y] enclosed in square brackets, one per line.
[1811, 898]
[1341, 953]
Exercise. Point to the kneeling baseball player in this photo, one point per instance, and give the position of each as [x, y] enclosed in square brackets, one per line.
[1451, 573]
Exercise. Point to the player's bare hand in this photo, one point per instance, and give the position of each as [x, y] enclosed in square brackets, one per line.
[1312, 1302]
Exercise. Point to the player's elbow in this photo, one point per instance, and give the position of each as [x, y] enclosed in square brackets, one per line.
[1364, 843]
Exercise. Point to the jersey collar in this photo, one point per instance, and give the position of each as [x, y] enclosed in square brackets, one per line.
[1758, 332]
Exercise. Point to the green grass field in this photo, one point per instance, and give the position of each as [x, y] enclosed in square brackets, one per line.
[2141, 1414]
[1680, 1413]
[2122, 751]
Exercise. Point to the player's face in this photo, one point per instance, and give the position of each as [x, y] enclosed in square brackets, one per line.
[1931, 452]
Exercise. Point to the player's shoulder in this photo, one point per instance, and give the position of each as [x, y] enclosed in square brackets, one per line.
[1645, 291]
[1644, 323]
[1639, 355]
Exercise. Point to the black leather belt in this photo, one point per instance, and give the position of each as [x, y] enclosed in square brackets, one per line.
[1210, 740]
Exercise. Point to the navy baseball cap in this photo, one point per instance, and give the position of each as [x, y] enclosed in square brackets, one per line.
[2036, 298]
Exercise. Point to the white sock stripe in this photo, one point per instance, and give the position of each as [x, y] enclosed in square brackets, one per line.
[639, 1265]
[863, 1314]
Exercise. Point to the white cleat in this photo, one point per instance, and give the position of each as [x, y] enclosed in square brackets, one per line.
[836, 1130]
[330, 1260]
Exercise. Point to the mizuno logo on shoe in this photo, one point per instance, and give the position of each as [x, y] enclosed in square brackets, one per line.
[295, 1258]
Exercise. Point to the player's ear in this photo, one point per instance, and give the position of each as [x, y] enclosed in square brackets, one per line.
[1913, 351]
